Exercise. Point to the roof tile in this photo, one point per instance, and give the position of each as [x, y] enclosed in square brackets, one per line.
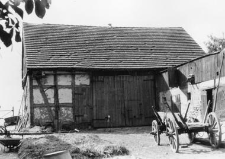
[69, 46]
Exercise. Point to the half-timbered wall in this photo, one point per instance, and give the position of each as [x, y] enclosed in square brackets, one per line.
[91, 99]
[68, 97]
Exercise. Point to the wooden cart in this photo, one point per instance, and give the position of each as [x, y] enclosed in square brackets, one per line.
[173, 124]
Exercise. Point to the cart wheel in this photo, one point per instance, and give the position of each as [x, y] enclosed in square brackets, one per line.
[155, 130]
[173, 135]
[214, 130]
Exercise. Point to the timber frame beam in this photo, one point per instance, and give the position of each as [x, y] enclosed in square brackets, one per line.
[45, 98]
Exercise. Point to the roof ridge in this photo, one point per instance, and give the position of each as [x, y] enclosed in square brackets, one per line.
[141, 27]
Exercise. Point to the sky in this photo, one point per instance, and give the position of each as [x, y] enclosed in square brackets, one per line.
[200, 18]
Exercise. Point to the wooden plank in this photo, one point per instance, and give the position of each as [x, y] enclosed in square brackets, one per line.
[73, 97]
[31, 100]
[94, 99]
[56, 101]
[122, 101]
[45, 99]
[117, 102]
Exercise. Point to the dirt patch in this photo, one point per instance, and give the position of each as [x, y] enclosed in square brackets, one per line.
[137, 140]
[80, 146]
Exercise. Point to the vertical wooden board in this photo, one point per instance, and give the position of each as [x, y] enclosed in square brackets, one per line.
[214, 66]
[105, 106]
[123, 112]
[203, 103]
[140, 95]
[120, 101]
[198, 71]
[89, 105]
[117, 102]
[77, 103]
[93, 97]
[31, 100]
[220, 109]
[118, 87]
[134, 99]
[73, 96]
[111, 101]
[98, 100]
[125, 101]
[148, 98]
[83, 99]
[129, 104]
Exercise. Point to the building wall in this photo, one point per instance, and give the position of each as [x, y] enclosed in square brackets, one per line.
[92, 99]
[206, 74]
[24, 111]
[67, 98]
[127, 99]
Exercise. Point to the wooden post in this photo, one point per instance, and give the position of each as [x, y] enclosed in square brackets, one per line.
[56, 101]
[45, 99]
[31, 100]
[218, 85]
[73, 97]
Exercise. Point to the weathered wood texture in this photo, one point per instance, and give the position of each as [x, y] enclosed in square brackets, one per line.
[126, 99]
[205, 69]
[88, 100]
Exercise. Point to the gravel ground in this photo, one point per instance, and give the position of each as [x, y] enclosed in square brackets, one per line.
[142, 146]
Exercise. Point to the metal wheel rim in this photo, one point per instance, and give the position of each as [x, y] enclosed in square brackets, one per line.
[155, 128]
[214, 130]
[173, 139]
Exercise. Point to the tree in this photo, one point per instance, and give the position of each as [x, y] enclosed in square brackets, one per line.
[11, 15]
[215, 44]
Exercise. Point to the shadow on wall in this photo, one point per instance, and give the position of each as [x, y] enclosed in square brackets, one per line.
[172, 85]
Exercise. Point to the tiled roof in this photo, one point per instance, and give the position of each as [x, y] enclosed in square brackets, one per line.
[69, 46]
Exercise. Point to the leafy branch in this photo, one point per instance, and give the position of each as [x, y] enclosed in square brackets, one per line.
[11, 15]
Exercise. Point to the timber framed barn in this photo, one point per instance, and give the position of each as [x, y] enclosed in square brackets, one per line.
[98, 76]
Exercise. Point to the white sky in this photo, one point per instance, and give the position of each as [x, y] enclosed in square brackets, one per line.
[199, 18]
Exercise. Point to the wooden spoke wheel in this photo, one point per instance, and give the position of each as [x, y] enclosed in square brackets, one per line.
[172, 133]
[155, 130]
[214, 130]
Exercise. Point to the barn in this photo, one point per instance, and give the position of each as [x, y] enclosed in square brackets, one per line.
[92, 76]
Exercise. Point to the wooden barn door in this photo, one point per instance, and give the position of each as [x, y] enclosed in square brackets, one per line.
[82, 100]
[127, 99]
[138, 99]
